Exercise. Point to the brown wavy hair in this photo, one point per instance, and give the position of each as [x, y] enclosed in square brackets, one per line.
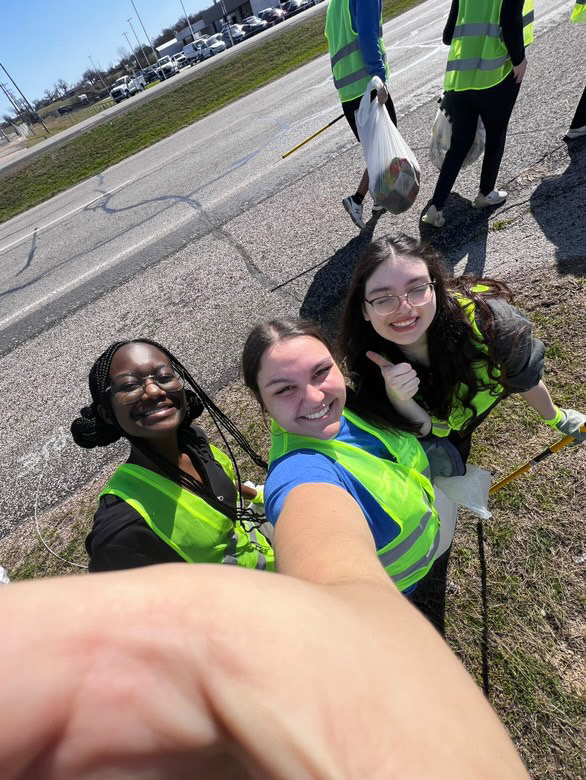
[454, 348]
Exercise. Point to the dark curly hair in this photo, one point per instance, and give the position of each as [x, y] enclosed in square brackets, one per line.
[91, 430]
[454, 348]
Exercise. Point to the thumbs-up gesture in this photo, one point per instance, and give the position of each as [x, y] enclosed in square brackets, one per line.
[401, 380]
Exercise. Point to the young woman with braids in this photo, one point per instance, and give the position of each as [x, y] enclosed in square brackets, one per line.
[454, 347]
[175, 498]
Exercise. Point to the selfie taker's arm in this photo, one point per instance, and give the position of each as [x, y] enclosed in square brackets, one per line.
[223, 673]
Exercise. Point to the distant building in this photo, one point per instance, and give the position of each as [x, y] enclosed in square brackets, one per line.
[169, 48]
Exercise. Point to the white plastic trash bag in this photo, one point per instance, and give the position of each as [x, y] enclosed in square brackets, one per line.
[3, 577]
[441, 139]
[393, 170]
[448, 514]
[469, 491]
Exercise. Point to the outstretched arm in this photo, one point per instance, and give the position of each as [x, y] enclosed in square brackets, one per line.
[217, 672]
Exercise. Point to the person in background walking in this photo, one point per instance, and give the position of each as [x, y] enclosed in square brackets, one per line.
[578, 126]
[486, 65]
[354, 32]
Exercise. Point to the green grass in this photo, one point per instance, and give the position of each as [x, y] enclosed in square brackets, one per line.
[217, 86]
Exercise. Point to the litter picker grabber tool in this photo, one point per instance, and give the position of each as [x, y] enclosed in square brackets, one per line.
[307, 140]
[559, 445]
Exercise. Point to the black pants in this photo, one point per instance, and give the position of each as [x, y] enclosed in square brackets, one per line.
[579, 119]
[494, 106]
[351, 106]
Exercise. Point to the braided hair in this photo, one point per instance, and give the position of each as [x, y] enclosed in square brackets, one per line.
[91, 430]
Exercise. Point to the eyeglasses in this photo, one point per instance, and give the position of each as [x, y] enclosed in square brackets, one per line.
[130, 388]
[389, 304]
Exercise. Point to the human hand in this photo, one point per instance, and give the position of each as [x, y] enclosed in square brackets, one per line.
[519, 70]
[570, 424]
[217, 672]
[401, 380]
[382, 94]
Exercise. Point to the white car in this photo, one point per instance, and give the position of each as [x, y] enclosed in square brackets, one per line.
[216, 43]
[180, 60]
[197, 51]
[165, 67]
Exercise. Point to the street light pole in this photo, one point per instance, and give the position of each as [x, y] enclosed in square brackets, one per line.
[223, 7]
[99, 74]
[188, 22]
[146, 59]
[31, 109]
[131, 51]
[144, 30]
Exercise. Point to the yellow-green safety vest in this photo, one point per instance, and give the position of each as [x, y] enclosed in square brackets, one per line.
[478, 57]
[579, 12]
[194, 529]
[401, 487]
[350, 74]
[490, 391]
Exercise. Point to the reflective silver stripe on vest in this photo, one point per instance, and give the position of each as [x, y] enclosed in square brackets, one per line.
[528, 18]
[477, 63]
[477, 28]
[392, 556]
[351, 78]
[262, 561]
[344, 52]
[231, 549]
[422, 563]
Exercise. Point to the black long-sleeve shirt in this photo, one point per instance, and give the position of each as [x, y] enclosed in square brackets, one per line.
[511, 22]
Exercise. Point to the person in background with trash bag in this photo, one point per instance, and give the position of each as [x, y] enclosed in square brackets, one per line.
[218, 673]
[175, 498]
[486, 65]
[357, 53]
[463, 340]
[317, 439]
[578, 125]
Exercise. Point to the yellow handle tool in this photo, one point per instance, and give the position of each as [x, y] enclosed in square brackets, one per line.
[559, 445]
[307, 140]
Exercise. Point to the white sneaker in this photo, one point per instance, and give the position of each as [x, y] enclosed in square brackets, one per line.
[355, 211]
[492, 199]
[377, 208]
[434, 217]
[576, 132]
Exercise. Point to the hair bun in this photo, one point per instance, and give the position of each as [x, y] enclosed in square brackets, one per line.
[91, 430]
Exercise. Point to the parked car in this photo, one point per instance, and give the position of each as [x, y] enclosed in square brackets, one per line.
[216, 43]
[165, 67]
[180, 60]
[292, 7]
[150, 74]
[238, 34]
[125, 87]
[253, 25]
[272, 16]
[196, 51]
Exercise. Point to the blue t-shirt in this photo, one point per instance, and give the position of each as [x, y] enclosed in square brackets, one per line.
[303, 466]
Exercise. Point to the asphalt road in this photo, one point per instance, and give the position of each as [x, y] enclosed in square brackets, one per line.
[193, 240]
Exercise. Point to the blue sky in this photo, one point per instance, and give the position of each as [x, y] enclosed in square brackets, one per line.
[42, 41]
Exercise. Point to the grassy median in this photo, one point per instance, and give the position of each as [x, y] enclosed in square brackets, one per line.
[217, 86]
[516, 593]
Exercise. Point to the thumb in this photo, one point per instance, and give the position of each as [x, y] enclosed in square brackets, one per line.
[380, 361]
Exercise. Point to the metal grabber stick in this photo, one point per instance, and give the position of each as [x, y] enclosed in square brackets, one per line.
[307, 140]
[559, 445]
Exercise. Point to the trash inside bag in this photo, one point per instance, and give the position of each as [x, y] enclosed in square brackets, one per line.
[441, 137]
[393, 170]
[469, 491]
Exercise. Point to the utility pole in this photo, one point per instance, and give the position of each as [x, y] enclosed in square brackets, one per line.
[223, 7]
[146, 59]
[98, 73]
[144, 30]
[188, 22]
[31, 109]
[132, 51]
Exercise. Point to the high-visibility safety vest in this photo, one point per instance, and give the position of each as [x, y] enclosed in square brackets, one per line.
[350, 74]
[400, 486]
[489, 392]
[579, 12]
[478, 57]
[194, 529]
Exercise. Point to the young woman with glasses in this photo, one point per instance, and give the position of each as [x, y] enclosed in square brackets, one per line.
[176, 497]
[420, 344]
